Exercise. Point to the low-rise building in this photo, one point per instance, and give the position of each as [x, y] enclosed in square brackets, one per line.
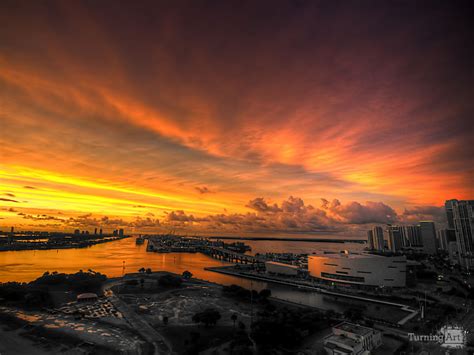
[353, 339]
[359, 269]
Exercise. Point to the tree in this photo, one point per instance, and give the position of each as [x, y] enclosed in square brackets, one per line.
[169, 280]
[148, 271]
[207, 317]
[142, 270]
[187, 274]
[234, 318]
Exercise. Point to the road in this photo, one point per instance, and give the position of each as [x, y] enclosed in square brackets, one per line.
[151, 335]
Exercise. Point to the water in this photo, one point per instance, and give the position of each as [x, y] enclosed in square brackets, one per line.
[109, 258]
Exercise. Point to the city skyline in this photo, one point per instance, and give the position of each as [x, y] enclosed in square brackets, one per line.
[298, 118]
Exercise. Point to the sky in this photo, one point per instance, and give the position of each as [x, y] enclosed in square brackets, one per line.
[234, 117]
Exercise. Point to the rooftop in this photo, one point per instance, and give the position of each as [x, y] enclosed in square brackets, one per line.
[353, 328]
[340, 341]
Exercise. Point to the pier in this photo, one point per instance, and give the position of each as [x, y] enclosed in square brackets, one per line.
[230, 256]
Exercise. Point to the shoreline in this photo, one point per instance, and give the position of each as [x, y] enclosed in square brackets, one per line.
[287, 239]
[411, 312]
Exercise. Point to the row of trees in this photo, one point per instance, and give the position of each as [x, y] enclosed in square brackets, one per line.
[36, 293]
[244, 294]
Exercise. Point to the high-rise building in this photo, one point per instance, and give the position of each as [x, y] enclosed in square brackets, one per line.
[11, 235]
[120, 232]
[460, 216]
[100, 232]
[370, 240]
[445, 236]
[378, 238]
[428, 237]
[453, 253]
[395, 242]
[411, 236]
[95, 231]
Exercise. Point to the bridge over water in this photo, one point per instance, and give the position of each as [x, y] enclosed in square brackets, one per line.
[231, 256]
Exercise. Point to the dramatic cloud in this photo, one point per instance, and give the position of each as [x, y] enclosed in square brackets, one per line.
[121, 109]
[203, 190]
[292, 216]
[424, 213]
[260, 205]
[8, 200]
[42, 217]
[356, 213]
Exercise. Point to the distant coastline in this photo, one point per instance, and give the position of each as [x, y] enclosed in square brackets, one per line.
[287, 239]
[20, 246]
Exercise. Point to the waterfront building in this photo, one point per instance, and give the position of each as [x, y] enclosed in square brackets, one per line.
[379, 243]
[428, 237]
[411, 236]
[273, 267]
[395, 242]
[370, 240]
[348, 338]
[362, 269]
[460, 215]
[120, 232]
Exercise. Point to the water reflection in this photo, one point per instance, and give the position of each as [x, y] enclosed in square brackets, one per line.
[108, 258]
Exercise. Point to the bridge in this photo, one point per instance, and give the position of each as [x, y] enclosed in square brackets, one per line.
[230, 256]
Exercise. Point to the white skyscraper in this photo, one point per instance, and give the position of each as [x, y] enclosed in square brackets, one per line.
[378, 238]
[370, 240]
[395, 239]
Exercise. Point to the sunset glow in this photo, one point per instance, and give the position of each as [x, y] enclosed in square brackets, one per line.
[223, 120]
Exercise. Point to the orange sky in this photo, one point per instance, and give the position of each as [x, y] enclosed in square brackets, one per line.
[119, 116]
